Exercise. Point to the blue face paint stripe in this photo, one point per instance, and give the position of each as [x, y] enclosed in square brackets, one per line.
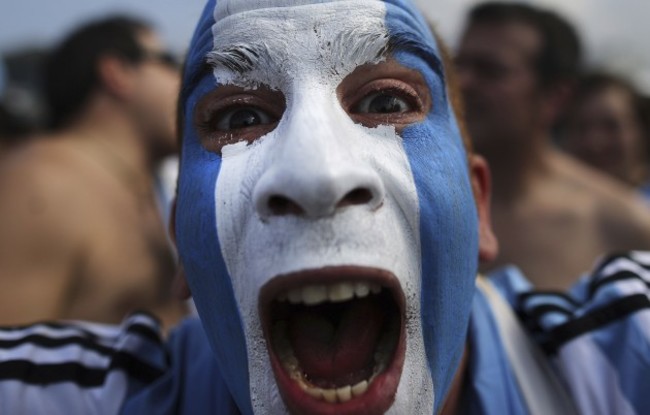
[202, 259]
[202, 42]
[196, 229]
[448, 218]
[410, 30]
[403, 14]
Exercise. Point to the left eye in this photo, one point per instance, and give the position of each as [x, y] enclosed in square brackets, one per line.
[382, 103]
[240, 118]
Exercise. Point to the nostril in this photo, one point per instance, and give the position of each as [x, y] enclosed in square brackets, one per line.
[358, 196]
[281, 205]
[316, 193]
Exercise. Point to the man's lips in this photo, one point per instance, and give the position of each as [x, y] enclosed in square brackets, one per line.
[335, 338]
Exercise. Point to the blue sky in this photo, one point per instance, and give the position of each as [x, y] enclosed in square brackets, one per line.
[615, 32]
[44, 22]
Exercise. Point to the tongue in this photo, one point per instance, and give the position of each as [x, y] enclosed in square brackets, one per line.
[335, 343]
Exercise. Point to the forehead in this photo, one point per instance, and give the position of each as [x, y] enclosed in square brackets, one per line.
[512, 41]
[327, 39]
[609, 99]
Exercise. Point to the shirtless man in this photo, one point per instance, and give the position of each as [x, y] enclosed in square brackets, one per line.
[82, 236]
[515, 65]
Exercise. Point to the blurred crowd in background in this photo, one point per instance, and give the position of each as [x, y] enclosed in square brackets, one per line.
[543, 112]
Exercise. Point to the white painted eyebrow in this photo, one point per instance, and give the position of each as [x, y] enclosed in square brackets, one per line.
[354, 45]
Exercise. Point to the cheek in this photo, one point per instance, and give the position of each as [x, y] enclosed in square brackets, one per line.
[196, 227]
[236, 219]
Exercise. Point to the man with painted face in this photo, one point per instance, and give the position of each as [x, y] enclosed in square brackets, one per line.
[330, 222]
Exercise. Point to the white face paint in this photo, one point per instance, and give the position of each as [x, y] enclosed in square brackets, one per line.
[315, 156]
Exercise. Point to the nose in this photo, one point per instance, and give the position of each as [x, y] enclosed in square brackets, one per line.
[316, 192]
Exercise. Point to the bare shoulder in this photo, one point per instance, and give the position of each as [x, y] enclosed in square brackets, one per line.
[40, 189]
[37, 183]
[620, 213]
[36, 158]
[625, 221]
[43, 231]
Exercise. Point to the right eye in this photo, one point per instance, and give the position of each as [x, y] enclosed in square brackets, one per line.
[229, 115]
[241, 118]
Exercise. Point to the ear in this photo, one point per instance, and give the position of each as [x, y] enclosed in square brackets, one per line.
[117, 76]
[179, 287]
[482, 187]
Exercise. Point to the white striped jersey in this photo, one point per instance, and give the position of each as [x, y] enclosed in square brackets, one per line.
[76, 368]
[597, 338]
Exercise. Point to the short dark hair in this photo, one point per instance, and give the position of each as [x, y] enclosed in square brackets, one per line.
[70, 74]
[559, 58]
[13, 128]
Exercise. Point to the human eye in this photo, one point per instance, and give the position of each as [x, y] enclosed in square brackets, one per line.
[493, 70]
[387, 102]
[383, 102]
[230, 115]
[386, 93]
[242, 118]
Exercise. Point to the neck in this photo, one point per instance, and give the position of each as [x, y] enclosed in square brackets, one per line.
[106, 124]
[115, 143]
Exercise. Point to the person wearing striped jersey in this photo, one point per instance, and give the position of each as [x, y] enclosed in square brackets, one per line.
[330, 220]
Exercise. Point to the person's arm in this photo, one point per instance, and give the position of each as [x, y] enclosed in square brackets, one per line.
[40, 240]
[79, 368]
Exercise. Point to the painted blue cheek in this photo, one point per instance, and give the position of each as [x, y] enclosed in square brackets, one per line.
[449, 248]
[197, 234]
[448, 218]
[200, 252]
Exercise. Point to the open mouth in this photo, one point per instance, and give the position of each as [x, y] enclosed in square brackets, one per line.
[335, 338]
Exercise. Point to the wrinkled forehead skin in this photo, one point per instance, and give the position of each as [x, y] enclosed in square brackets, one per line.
[445, 216]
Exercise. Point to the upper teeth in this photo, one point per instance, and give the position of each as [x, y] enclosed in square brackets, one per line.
[320, 293]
